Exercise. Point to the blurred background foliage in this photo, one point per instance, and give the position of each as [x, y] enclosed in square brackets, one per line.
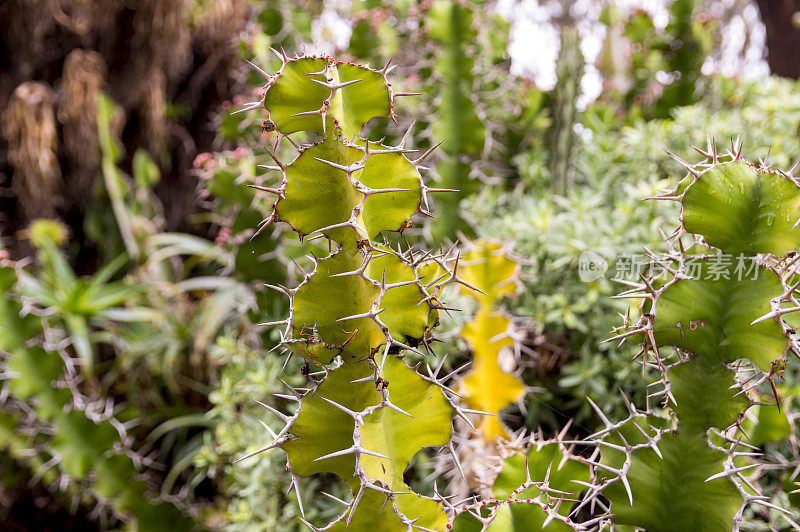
[129, 244]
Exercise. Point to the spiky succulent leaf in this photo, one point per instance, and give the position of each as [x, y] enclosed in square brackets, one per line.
[487, 267]
[364, 303]
[517, 495]
[298, 88]
[705, 395]
[402, 307]
[373, 514]
[311, 183]
[399, 437]
[390, 211]
[711, 317]
[671, 493]
[323, 428]
[375, 191]
[548, 462]
[677, 474]
[741, 208]
[487, 387]
[323, 300]
[321, 325]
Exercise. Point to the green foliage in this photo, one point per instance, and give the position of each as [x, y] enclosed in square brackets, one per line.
[75, 436]
[669, 488]
[255, 495]
[664, 70]
[614, 168]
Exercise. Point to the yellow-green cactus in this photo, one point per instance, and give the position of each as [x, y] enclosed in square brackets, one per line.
[365, 304]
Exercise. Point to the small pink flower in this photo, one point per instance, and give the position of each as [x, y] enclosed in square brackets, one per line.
[201, 159]
[223, 236]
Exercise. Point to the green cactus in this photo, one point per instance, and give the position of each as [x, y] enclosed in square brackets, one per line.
[75, 440]
[450, 23]
[364, 304]
[569, 69]
[534, 490]
[720, 310]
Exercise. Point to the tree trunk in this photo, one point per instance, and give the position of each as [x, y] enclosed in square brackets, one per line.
[783, 35]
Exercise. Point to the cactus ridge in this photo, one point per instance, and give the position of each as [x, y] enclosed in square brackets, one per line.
[730, 268]
[536, 485]
[366, 306]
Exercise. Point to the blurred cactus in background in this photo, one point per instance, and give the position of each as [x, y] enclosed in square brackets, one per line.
[569, 70]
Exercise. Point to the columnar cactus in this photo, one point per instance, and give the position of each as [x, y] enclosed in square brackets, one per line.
[487, 387]
[450, 23]
[728, 278]
[569, 68]
[365, 304]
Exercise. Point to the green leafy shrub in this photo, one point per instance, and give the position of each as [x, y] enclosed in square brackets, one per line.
[603, 213]
[73, 436]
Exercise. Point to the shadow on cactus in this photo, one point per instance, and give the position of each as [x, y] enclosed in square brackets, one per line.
[366, 306]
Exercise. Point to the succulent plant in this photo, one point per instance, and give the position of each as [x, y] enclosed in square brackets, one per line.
[450, 24]
[535, 488]
[366, 305]
[711, 324]
[487, 387]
